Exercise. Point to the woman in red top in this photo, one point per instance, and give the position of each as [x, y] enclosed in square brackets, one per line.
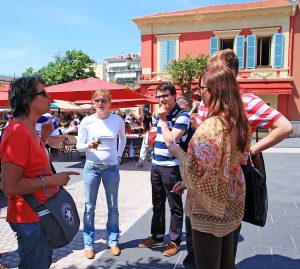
[26, 169]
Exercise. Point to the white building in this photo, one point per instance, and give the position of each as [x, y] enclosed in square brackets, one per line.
[124, 69]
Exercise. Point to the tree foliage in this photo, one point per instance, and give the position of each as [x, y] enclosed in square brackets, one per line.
[186, 70]
[73, 65]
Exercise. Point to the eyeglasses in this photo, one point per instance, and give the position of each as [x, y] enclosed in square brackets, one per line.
[42, 93]
[203, 87]
[102, 100]
[158, 97]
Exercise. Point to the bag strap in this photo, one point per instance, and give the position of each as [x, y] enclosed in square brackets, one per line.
[33, 202]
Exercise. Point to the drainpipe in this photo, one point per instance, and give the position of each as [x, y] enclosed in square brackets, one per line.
[291, 47]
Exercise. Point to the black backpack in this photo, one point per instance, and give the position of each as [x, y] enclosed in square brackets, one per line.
[190, 132]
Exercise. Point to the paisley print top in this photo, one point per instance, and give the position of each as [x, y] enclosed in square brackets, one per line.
[216, 186]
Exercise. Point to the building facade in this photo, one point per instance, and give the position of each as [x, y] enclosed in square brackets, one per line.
[100, 70]
[265, 36]
[124, 69]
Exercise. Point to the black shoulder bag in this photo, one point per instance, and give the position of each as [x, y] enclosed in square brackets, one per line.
[58, 215]
[256, 203]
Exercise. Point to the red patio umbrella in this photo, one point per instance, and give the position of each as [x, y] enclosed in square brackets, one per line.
[122, 103]
[4, 95]
[83, 90]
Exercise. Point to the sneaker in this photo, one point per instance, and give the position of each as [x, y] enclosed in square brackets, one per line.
[115, 250]
[89, 253]
[149, 242]
[171, 250]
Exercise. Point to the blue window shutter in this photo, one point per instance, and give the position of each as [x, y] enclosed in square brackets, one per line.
[163, 55]
[278, 55]
[171, 50]
[240, 44]
[214, 45]
[251, 51]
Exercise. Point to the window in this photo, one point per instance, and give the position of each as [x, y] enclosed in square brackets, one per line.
[263, 51]
[226, 44]
[167, 53]
[167, 50]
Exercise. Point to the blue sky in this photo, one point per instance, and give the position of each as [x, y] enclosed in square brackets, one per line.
[32, 31]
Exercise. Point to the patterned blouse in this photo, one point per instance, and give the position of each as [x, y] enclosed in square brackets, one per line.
[215, 181]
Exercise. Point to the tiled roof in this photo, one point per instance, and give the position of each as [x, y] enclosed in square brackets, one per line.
[222, 8]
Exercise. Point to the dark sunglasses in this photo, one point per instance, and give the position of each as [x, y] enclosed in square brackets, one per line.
[42, 93]
[102, 100]
[163, 96]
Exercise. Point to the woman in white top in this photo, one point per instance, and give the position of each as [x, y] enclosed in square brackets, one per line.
[97, 136]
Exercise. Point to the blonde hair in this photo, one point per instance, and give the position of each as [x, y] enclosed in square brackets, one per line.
[103, 93]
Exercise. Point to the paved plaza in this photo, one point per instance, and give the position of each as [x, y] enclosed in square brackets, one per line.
[276, 246]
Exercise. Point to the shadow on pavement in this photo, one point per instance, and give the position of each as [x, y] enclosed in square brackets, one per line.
[76, 244]
[141, 263]
[145, 258]
[269, 262]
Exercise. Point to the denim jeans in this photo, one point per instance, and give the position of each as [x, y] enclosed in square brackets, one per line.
[92, 176]
[33, 247]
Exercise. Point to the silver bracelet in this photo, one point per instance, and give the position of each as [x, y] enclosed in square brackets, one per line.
[43, 183]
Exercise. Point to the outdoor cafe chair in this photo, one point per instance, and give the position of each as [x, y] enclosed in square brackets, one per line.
[71, 141]
[57, 145]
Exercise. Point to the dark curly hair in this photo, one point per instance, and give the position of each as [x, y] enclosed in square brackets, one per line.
[21, 93]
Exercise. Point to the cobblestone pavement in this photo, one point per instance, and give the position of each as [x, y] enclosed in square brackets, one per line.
[277, 245]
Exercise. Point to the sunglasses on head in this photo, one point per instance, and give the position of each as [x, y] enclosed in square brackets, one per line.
[42, 93]
[102, 100]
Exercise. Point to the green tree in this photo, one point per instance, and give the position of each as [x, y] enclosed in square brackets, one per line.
[73, 65]
[186, 70]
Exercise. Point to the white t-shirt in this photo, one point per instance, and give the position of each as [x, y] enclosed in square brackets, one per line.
[107, 130]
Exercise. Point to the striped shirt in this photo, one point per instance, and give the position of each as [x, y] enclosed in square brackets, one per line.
[258, 113]
[161, 155]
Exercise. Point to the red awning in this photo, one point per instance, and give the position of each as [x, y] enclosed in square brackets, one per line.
[278, 87]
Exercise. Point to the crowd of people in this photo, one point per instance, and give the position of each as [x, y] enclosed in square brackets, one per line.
[210, 168]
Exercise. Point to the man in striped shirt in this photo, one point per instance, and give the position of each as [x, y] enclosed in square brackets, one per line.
[259, 114]
[172, 127]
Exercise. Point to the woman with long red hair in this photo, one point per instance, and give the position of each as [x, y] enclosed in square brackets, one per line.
[212, 173]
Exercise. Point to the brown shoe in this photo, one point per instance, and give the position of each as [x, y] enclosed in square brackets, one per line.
[89, 253]
[149, 242]
[171, 249]
[115, 250]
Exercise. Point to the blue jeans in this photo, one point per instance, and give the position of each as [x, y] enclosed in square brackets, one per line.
[92, 175]
[33, 247]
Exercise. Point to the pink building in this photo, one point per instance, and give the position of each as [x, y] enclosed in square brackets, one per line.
[265, 36]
